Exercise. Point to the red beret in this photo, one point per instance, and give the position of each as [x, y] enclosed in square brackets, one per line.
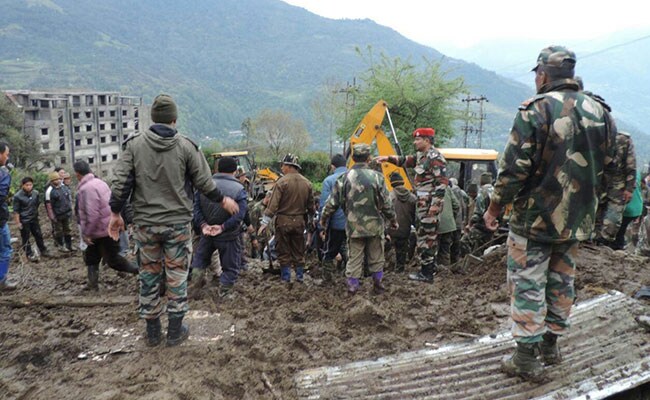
[424, 132]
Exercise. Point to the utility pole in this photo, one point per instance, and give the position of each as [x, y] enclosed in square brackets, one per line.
[470, 129]
[350, 101]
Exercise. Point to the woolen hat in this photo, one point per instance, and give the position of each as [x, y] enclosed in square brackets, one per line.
[424, 132]
[163, 109]
[396, 179]
[227, 165]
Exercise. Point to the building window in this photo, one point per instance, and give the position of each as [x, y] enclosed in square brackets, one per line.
[61, 144]
[89, 128]
[126, 136]
[60, 118]
[77, 142]
[137, 125]
[113, 126]
[75, 115]
[102, 139]
[104, 158]
[125, 124]
[91, 160]
[61, 132]
[124, 113]
[112, 113]
[102, 99]
[63, 160]
[46, 146]
[101, 114]
[45, 104]
[135, 113]
[44, 132]
[102, 127]
[113, 138]
[77, 129]
[114, 156]
[89, 141]
[89, 100]
[89, 114]
[76, 101]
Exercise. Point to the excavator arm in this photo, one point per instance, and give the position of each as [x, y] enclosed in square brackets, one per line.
[368, 131]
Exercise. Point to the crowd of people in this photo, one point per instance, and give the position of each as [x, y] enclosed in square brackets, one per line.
[566, 171]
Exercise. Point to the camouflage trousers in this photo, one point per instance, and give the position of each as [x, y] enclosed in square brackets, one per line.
[427, 233]
[474, 239]
[540, 282]
[643, 244]
[163, 251]
[610, 219]
[370, 249]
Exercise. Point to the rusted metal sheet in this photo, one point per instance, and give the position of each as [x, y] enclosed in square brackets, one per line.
[605, 352]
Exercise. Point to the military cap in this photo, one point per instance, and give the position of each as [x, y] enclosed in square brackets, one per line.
[557, 57]
[291, 159]
[424, 132]
[486, 177]
[361, 150]
[396, 179]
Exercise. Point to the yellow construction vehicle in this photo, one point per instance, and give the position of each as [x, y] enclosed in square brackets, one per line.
[464, 164]
[256, 181]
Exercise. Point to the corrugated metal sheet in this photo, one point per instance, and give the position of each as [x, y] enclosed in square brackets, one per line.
[605, 352]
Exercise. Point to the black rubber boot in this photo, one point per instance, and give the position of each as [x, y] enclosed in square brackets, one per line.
[93, 277]
[524, 363]
[550, 350]
[177, 331]
[425, 274]
[68, 242]
[154, 335]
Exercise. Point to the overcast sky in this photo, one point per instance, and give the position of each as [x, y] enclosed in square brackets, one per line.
[450, 24]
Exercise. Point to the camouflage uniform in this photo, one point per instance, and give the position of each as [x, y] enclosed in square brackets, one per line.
[362, 195]
[560, 148]
[430, 184]
[610, 213]
[478, 233]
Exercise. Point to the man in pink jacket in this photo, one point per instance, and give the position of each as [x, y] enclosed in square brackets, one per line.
[94, 213]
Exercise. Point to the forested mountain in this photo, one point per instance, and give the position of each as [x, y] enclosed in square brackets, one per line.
[222, 60]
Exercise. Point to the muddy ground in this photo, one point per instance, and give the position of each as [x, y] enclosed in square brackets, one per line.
[58, 341]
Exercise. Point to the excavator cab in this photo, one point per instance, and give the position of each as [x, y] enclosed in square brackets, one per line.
[467, 165]
[257, 182]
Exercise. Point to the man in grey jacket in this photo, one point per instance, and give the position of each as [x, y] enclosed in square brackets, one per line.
[158, 169]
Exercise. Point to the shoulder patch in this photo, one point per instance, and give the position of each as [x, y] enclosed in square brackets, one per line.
[196, 146]
[525, 104]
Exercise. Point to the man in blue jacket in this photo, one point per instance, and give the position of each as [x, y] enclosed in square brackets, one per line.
[5, 237]
[333, 235]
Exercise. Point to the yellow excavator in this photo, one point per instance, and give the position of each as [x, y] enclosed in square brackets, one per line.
[464, 164]
[256, 181]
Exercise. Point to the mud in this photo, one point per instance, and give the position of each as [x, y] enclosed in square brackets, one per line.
[58, 341]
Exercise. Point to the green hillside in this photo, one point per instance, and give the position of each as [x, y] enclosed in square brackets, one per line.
[222, 60]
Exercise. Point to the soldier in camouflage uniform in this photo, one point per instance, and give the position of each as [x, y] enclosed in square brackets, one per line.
[561, 147]
[430, 184]
[362, 195]
[619, 192]
[291, 203]
[157, 170]
[478, 234]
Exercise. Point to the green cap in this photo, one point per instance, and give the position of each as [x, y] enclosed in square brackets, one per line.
[556, 57]
[361, 150]
[163, 109]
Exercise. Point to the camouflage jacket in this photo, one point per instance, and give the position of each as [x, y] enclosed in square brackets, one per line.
[430, 171]
[560, 149]
[624, 178]
[362, 194]
[481, 206]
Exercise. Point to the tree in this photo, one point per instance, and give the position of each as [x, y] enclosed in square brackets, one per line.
[24, 149]
[416, 97]
[276, 133]
[329, 109]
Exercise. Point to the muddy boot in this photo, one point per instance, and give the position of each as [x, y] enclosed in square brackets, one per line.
[353, 286]
[549, 349]
[328, 271]
[46, 253]
[6, 286]
[285, 274]
[378, 287]
[93, 277]
[524, 363]
[154, 335]
[425, 274]
[68, 243]
[177, 331]
[300, 274]
[198, 278]
[225, 291]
